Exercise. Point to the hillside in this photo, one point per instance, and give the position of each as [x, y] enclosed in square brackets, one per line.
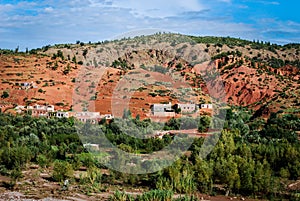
[255, 156]
[258, 75]
[36, 79]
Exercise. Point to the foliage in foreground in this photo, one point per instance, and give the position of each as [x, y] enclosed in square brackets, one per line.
[154, 195]
[252, 156]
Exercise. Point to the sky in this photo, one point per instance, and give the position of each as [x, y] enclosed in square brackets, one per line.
[33, 24]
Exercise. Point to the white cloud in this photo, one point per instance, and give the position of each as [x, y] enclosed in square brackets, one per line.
[60, 21]
[6, 7]
[49, 9]
[159, 8]
[270, 2]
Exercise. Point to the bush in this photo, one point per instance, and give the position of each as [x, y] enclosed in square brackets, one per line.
[42, 161]
[85, 51]
[59, 104]
[156, 195]
[204, 123]
[120, 196]
[5, 94]
[16, 174]
[62, 170]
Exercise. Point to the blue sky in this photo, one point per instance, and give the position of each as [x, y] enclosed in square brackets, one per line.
[35, 24]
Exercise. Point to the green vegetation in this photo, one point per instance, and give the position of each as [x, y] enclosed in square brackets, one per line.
[85, 51]
[6, 51]
[259, 45]
[174, 39]
[252, 157]
[55, 66]
[226, 54]
[120, 64]
[62, 170]
[5, 94]
[58, 55]
[156, 68]
[277, 63]
[154, 195]
[67, 69]
[219, 41]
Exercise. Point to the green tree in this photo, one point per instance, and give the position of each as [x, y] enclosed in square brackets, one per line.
[204, 122]
[55, 66]
[5, 94]
[85, 51]
[62, 170]
[74, 59]
[60, 54]
[262, 177]
[203, 175]
[126, 114]
[67, 69]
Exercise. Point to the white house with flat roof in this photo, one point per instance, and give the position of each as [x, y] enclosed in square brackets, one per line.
[107, 116]
[62, 114]
[91, 117]
[206, 106]
[187, 107]
[41, 110]
[162, 110]
[20, 109]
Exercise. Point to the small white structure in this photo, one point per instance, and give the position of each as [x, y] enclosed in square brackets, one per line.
[62, 114]
[20, 108]
[91, 117]
[26, 85]
[162, 110]
[87, 114]
[48, 108]
[41, 110]
[91, 146]
[187, 107]
[206, 106]
[29, 107]
[107, 116]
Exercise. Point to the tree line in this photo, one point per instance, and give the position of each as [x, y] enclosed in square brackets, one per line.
[252, 156]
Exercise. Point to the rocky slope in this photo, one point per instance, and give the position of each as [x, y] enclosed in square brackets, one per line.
[156, 69]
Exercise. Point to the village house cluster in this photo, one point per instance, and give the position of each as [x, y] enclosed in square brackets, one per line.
[48, 111]
[169, 110]
[157, 110]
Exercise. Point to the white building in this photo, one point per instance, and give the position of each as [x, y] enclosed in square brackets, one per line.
[91, 117]
[187, 107]
[206, 106]
[41, 110]
[162, 110]
[107, 116]
[48, 108]
[62, 114]
[20, 109]
[29, 107]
